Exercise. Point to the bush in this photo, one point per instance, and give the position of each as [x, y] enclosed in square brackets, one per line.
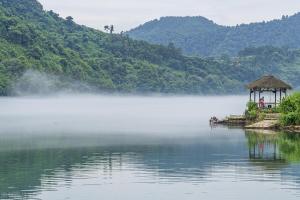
[251, 115]
[252, 106]
[290, 109]
[274, 110]
[292, 118]
[252, 111]
[290, 104]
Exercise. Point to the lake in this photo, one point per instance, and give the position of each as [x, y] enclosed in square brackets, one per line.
[121, 147]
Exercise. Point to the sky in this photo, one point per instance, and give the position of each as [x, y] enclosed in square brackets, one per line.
[128, 14]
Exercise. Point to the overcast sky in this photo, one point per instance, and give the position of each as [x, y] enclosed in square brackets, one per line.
[127, 14]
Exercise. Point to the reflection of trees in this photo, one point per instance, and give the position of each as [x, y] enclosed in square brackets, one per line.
[24, 170]
[26, 164]
[289, 145]
[275, 148]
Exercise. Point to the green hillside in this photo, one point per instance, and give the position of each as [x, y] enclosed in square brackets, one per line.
[200, 36]
[32, 39]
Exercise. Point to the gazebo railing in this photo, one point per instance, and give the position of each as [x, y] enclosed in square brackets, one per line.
[267, 104]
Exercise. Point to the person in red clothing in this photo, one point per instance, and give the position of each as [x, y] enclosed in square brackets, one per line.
[262, 102]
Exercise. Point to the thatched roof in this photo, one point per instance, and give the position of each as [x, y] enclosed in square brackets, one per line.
[269, 82]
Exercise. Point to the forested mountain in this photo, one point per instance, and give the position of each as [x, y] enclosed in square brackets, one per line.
[32, 39]
[200, 36]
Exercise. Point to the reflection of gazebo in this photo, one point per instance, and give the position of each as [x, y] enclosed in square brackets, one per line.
[268, 84]
[264, 150]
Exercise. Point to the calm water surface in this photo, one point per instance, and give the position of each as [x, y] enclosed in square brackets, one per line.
[97, 147]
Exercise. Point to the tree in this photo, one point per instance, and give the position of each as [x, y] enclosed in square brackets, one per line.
[106, 28]
[69, 18]
[110, 28]
[53, 14]
[21, 34]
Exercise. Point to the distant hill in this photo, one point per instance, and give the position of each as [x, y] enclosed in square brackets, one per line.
[32, 39]
[200, 36]
[35, 40]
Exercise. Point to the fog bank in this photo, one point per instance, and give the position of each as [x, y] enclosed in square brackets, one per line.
[95, 114]
[34, 82]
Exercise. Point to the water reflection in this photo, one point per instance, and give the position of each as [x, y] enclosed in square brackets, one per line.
[273, 146]
[264, 149]
[32, 167]
[276, 152]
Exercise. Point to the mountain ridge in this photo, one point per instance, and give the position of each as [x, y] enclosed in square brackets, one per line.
[202, 37]
[32, 39]
[37, 40]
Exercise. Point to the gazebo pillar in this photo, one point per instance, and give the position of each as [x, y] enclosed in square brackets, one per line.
[275, 98]
[280, 95]
[285, 93]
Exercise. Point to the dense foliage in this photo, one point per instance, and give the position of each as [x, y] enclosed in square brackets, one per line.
[290, 109]
[32, 39]
[251, 112]
[200, 36]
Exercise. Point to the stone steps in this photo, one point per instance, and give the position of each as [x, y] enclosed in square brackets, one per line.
[265, 124]
[273, 116]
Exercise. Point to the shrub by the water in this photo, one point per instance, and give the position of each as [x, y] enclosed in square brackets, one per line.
[252, 110]
[252, 106]
[290, 110]
[292, 118]
[290, 104]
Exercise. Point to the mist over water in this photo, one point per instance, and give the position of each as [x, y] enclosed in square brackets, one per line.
[134, 147]
[113, 114]
[60, 107]
[34, 82]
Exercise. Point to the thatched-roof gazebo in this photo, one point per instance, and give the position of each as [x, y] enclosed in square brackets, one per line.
[269, 84]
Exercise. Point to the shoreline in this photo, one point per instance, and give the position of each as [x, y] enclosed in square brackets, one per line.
[264, 124]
